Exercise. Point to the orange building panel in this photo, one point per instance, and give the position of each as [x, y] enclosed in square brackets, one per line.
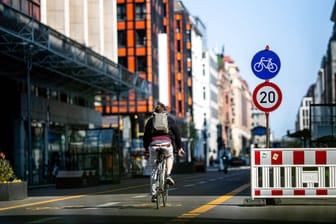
[189, 64]
[99, 109]
[121, 25]
[150, 77]
[141, 51]
[131, 63]
[189, 82]
[121, 51]
[140, 24]
[130, 51]
[130, 38]
[190, 101]
[130, 10]
[130, 25]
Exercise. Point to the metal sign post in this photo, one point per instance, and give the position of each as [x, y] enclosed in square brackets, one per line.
[267, 96]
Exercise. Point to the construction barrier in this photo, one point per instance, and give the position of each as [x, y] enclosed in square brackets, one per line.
[293, 173]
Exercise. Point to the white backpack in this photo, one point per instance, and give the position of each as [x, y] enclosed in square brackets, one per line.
[160, 122]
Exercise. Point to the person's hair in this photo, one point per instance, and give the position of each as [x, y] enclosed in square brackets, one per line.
[160, 107]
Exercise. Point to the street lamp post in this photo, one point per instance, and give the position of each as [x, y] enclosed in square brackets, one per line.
[28, 60]
[205, 140]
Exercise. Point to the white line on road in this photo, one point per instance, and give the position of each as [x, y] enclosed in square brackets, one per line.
[140, 196]
[108, 204]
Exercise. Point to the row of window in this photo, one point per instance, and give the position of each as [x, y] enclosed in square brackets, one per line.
[140, 37]
[139, 11]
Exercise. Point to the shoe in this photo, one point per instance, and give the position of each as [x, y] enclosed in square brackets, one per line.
[154, 199]
[170, 180]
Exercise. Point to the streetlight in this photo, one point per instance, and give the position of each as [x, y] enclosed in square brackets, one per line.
[28, 61]
[205, 139]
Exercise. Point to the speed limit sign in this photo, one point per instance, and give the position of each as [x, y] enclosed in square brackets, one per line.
[267, 96]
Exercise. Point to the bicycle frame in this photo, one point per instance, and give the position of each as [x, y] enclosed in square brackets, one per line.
[161, 184]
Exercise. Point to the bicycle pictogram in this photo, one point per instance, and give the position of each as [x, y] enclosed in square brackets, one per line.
[265, 64]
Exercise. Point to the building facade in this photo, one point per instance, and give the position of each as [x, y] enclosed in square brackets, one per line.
[55, 82]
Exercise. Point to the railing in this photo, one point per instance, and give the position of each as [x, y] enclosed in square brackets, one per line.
[293, 173]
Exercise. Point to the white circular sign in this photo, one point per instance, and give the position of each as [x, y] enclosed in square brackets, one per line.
[267, 96]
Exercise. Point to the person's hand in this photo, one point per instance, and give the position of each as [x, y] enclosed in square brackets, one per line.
[180, 152]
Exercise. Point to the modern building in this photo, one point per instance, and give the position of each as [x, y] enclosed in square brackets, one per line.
[55, 83]
[303, 116]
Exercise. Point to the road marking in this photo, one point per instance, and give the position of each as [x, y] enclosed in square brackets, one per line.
[140, 196]
[189, 185]
[42, 202]
[210, 205]
[109, 204]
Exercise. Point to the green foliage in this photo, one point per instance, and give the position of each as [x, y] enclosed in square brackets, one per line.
[6, 171]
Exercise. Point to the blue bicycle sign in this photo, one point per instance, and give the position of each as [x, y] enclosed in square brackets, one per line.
[265, 64]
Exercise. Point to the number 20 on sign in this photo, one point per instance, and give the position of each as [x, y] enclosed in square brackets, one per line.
[267, 96]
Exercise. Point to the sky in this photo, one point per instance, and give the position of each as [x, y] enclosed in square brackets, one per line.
[298, 31]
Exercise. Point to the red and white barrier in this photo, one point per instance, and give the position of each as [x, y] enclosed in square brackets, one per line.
[293, 172]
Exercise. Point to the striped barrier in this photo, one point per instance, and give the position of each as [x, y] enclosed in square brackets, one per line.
[293, 173]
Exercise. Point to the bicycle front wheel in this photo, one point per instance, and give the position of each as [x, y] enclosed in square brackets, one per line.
[158, 200]
[165, 195]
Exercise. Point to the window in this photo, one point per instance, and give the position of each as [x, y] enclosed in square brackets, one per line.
[122, 38]
[141, 63]
[140, 11]
[123, 61]
[179, 66]
[140, 37]
[121, 11]
[178, 46]
[30, 7]
[204, 95]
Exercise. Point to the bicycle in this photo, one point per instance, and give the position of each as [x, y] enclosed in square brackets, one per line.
[160, 178]
[265, 64]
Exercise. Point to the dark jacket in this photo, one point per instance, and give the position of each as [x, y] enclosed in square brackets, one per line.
[174, 134]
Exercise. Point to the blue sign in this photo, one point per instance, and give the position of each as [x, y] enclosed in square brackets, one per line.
[259, 130]
[265, 64]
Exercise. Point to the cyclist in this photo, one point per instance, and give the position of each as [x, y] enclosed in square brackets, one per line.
[171, 142]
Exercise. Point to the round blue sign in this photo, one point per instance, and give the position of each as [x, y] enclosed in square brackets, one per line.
[265, 64]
